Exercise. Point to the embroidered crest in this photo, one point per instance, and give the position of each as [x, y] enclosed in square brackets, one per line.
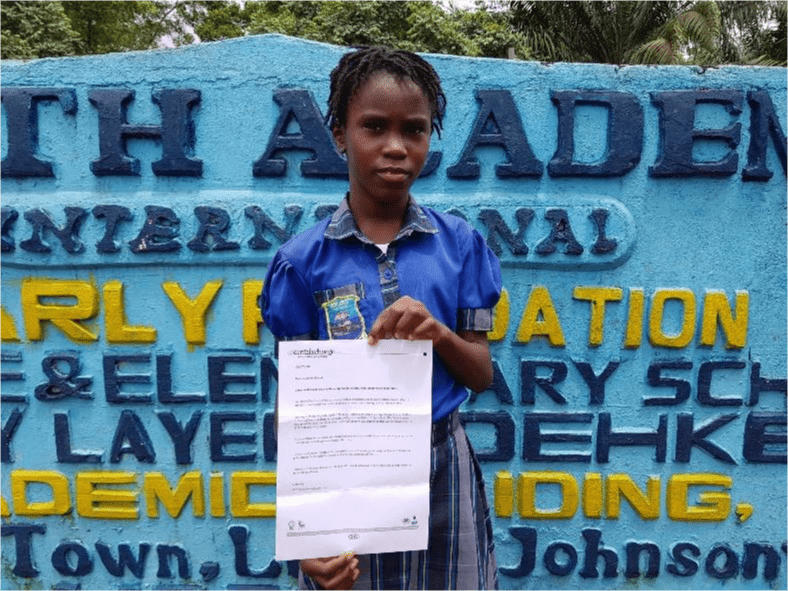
[343, 318]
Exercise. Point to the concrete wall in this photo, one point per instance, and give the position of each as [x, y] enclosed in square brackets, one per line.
[635, 435]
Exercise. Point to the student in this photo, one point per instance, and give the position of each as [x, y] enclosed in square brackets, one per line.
[384, 267]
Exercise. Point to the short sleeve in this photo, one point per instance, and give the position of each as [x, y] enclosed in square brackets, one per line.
[286, 302]
[480, 285]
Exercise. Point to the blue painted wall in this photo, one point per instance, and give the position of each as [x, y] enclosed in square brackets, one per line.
[635, 435]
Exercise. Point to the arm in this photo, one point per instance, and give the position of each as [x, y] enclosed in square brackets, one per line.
[336, 572]
[466, 354]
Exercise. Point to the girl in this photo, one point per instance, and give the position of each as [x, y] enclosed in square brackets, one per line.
[384, 267]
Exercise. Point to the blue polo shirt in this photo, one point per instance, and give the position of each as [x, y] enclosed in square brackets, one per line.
[332, 282]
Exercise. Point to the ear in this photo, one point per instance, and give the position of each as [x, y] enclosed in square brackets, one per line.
[339, 139]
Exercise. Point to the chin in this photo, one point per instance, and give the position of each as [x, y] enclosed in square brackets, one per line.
[394, 198]
[393, 194]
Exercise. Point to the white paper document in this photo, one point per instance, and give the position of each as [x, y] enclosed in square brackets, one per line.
[353, 460]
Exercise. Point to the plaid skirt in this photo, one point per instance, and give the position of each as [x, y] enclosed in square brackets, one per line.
[461, 551]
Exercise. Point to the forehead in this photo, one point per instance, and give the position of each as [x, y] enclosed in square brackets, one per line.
[383, 90]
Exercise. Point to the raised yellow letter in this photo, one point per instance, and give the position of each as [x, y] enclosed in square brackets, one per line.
[106, 503]
[252, 316]
[8, 332]
[592, 495]
[598, 296]
[622, 485]
[634, 331]
[540, 304]
[115, 318]
[503, 493]
[717, 308]
[713, 506]
[157, 488]
[239, 494]
[65, 317]
[60, 503]
[500, 318]
[677, 341]
[192, 311]
[217, 494]
[526, 492]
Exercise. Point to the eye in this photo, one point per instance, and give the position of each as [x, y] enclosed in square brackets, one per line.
[374, 125]
[415, 128]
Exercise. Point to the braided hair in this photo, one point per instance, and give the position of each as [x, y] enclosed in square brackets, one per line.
[356, 67]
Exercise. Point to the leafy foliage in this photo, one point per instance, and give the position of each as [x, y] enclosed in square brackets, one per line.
[658, 32]
[703, 32]
[105, 27]
[689, 37]
[614, 32]
[35, 29]
[415, 26]
[759, 32]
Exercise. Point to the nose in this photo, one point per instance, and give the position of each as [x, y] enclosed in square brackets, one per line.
[395, 146]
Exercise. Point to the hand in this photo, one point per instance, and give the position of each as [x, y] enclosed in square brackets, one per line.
[407, 319]
[336, 572]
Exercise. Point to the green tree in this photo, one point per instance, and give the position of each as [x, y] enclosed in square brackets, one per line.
[772, 42]
[490, 26]
[104, 27]
[754, 32]
[31, 30]
[659, 32]
[619, 32]
[214, 21]
[608, 31]
[415, 26]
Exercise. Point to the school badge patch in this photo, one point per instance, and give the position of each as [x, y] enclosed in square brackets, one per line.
[343, 318]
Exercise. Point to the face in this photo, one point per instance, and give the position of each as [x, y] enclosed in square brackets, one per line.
[386, 137]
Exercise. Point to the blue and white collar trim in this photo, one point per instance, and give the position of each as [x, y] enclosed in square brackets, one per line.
[343, 224]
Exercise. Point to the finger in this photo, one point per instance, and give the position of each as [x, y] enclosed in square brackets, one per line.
[324, 567]
[385, 322]
[356, 569]
[376, 331]
[345, 578]
[411, 319]
[425, 331]
[398, 320]
[343, 558]
[408, 321]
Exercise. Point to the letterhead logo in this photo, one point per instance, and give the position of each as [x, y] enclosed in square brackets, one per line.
[312, 352]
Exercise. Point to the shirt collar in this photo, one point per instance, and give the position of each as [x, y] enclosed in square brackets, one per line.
[343, 224]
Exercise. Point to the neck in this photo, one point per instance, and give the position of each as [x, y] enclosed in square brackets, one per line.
[380, 222]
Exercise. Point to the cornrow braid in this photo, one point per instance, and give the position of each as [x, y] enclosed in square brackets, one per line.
[356, 67]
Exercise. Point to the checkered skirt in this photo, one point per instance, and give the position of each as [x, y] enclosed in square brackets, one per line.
[461, 552]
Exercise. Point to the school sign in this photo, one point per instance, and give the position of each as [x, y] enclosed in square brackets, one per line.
[635, 433]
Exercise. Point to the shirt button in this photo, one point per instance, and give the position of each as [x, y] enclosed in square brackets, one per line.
[388, 274]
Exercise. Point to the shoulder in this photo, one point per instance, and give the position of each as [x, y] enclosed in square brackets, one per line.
[303, 247]
[448, 222]
[451, 227]
[288, 275]
[458, 236]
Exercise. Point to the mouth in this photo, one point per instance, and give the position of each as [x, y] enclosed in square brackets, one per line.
[393, 174]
